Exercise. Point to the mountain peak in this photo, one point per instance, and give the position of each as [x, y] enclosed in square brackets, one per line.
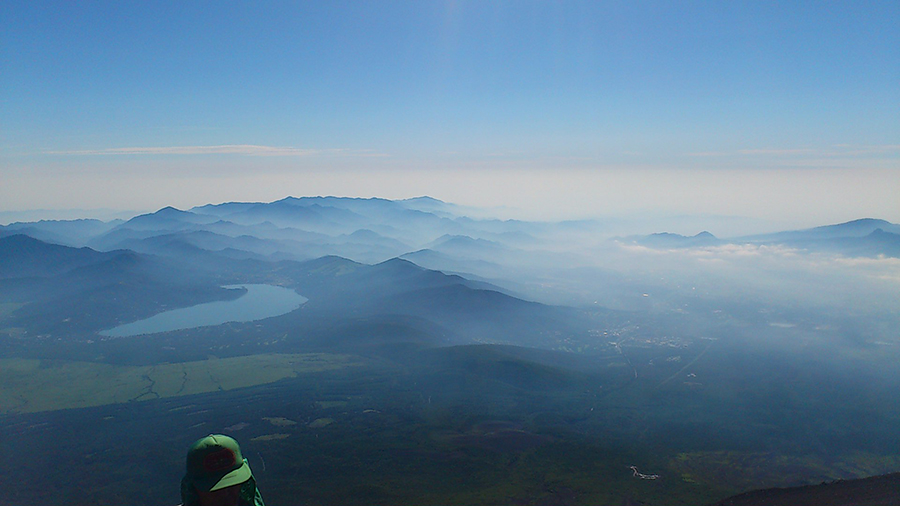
[855, 228]
[424, 199]
[24, 256]
[866, 221]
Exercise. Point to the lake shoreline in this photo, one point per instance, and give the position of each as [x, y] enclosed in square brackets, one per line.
[259, 302]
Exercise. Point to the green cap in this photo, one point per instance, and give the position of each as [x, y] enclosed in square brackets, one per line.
[215, 462]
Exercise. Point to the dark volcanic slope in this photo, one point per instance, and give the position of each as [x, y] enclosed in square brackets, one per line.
[875, 491]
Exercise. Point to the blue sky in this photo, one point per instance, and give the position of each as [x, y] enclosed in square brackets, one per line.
[763, 109]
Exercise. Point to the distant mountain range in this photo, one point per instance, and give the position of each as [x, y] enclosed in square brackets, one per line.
[860, 238]
[855, 228]
[78, 291]
[668, 240]
[366, 230]
[529, 260]
[374, 230]
[68, 232]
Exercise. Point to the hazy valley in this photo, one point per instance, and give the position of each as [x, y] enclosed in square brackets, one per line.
[443, 357]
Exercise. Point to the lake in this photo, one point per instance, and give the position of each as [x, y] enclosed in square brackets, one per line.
[260, 301]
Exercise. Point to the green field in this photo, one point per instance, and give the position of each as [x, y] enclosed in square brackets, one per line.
[31, 386]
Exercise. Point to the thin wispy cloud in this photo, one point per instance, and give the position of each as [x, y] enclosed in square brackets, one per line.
[778, 152]
[865, 150]
[841, 150]
[226, 149]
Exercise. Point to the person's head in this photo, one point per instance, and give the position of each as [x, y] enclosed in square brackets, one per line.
[215, 472]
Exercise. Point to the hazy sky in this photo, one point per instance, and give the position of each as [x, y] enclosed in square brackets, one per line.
[784, 110]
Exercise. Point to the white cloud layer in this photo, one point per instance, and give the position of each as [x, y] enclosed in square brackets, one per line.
[775, 271]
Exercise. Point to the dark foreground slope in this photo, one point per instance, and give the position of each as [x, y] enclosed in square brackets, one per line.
[875, 491]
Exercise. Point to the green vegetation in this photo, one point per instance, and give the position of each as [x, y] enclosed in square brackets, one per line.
[43, 385]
